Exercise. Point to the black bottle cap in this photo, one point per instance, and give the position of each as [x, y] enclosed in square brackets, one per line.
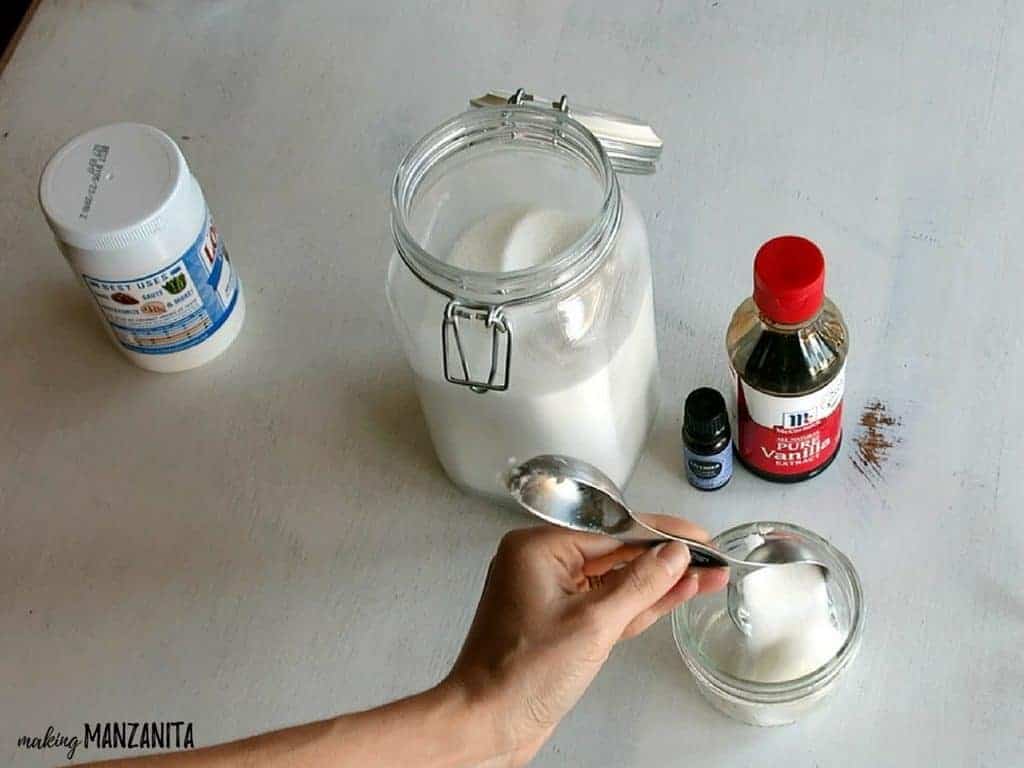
[705, 418]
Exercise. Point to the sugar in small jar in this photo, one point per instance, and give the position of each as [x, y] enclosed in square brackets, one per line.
[795, 633]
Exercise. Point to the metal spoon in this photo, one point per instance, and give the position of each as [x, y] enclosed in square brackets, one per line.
[574, 494]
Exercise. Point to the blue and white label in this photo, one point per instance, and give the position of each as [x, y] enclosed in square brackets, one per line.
[175, 308]
[708, 472]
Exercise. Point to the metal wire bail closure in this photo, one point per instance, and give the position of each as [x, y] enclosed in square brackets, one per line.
[501, 335]
[632, 145]
[520, 95]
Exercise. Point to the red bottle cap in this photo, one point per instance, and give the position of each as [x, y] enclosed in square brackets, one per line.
[789, 279]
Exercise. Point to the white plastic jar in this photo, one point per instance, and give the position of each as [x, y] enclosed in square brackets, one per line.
[132, 222]
[521, 288]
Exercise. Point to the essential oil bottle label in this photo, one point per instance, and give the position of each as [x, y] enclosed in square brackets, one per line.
[789, 435]
[708, 472]
[175, 308]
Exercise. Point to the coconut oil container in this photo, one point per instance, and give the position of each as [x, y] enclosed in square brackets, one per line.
[520, 285]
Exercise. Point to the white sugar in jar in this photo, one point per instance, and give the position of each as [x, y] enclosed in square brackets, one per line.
[521, 289]
[132, 222]
[599, 409]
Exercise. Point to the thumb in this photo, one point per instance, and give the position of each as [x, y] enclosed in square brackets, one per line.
[633, 589]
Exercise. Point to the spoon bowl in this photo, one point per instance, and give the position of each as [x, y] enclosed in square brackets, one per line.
[573, 494]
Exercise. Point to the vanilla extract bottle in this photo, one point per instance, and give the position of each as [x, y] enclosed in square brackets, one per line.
[787, 346]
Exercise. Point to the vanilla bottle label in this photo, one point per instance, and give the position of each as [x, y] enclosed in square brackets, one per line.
[789, 435]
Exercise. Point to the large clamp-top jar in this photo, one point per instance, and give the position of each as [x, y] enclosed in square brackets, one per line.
[521, 287]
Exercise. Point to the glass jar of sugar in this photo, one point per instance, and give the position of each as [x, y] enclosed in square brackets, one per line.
[521, 287]
[803, 630]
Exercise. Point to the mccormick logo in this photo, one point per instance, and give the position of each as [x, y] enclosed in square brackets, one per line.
[797, 419]
[819, 407]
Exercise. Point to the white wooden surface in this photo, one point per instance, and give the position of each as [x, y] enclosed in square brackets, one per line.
[269, 539]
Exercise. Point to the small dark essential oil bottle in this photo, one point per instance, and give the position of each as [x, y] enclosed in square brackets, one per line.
[707, 441]
[788, 345]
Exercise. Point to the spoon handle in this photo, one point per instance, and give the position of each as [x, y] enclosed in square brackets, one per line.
[705, 557]
[701, 555]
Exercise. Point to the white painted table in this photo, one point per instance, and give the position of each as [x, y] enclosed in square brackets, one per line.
[269, 539]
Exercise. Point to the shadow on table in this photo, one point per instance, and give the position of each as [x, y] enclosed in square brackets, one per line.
[58, 341]
[56, 351]
[665, 446]
[396, 424]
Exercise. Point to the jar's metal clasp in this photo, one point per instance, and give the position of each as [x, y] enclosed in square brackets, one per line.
[501, 346]
[517, 98]
[632, 145]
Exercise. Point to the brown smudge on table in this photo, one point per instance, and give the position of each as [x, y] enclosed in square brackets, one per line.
[875, 438]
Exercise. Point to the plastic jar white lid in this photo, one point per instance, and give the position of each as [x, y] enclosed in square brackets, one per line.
[98, 200]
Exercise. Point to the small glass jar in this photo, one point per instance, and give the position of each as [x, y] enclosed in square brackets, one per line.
[702, 629]
[554, 357]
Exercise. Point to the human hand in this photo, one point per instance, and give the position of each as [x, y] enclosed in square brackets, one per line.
[554, 604]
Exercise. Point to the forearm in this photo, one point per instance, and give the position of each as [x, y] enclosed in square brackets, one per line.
[439, 728]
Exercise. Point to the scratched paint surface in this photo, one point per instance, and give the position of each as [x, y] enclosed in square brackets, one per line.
[269, 539]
